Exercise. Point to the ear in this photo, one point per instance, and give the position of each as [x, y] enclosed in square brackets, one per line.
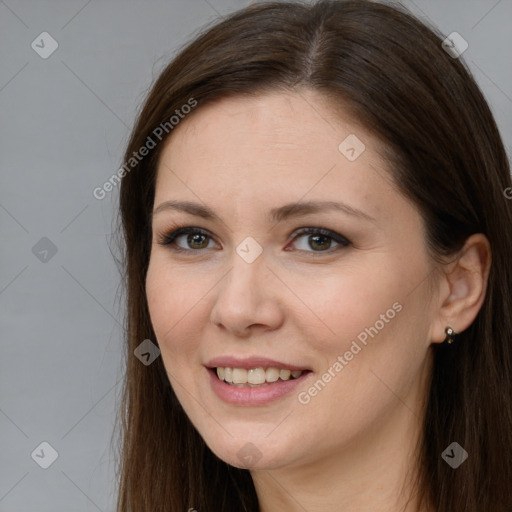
[462, 288]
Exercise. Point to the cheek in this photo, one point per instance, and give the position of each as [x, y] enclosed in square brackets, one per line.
[346, 303]
[368, 331]
[172, 300]
[377, 347]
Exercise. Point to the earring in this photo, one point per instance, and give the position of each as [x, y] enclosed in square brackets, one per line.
[450, 335]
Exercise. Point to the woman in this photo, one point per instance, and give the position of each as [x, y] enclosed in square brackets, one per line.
[316, 240]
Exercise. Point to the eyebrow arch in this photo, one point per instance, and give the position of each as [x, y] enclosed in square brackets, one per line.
[275, 215]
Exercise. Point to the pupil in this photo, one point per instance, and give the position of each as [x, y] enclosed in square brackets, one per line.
[316, 237]
[193, 237]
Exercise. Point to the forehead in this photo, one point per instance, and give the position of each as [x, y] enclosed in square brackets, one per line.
[270, 140]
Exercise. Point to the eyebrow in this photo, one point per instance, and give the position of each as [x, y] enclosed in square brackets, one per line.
[275, 215]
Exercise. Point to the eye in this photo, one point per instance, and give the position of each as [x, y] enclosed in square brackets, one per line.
[194, 238]
[320, 240]
[197, 239]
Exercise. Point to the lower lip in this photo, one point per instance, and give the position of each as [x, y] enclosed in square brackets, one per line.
[238, 395]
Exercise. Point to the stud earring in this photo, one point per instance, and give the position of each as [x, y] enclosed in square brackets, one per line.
[450, 335]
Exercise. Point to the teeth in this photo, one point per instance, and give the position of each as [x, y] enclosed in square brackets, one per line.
[284, 374]
[272, 375]
[239, 376]
[255, 377]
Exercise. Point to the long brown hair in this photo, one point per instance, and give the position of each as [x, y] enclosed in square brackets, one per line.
[446, 155]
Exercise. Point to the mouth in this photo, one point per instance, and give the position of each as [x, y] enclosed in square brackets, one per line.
[255, 377]
[254, 381]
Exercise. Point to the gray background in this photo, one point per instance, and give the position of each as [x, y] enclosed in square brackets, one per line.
[64, 122]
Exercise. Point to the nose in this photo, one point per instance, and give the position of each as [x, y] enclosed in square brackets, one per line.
[248, 298]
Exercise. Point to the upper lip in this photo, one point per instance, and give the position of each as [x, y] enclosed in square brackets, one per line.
[251, 362]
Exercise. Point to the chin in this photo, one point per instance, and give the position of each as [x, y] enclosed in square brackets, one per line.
[249, 452]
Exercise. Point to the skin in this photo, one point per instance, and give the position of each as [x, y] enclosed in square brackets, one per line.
[352, 446]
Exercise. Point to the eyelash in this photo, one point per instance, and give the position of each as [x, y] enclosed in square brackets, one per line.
[170, 238]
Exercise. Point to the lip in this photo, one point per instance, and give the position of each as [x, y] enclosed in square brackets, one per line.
[247, 396]
[251, 362]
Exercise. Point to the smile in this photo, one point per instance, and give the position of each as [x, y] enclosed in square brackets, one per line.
[254, 386]
[255, 377]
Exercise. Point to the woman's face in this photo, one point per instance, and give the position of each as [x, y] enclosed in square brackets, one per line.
[252, 294]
